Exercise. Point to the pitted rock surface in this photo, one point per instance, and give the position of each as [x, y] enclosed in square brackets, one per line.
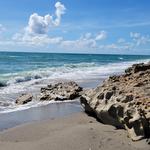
[61, 91]
[24, 98]
[123, 101]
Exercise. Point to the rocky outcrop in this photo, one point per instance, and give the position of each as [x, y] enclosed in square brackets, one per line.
[61, 91]
[123, 101]
[23, 99]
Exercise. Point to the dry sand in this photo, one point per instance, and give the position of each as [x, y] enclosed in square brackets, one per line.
[74, 132]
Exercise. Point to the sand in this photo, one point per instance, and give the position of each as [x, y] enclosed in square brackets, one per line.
[74, 132]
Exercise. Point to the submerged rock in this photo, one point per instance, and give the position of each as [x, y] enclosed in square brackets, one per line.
[61, 91]
[123, 101]
[24, 98]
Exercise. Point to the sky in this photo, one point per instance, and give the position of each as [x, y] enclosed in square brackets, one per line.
[75, 26]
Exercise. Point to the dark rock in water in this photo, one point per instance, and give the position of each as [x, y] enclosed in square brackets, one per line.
[23, 99]
[123, 101]
[61, 91]
[137, 68]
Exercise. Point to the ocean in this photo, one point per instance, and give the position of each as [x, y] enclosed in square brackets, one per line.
[28, 72]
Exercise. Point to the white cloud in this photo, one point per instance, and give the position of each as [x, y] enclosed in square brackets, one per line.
[36, 33]
[101, 36]
[40, 24]
[60, 10]
[139, 39]
[86, 41]
[36, 40]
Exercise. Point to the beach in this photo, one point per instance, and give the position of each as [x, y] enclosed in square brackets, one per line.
[54, 125]
[74, 75]
[76, 131]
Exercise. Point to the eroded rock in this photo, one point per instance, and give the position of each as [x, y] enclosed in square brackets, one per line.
[61, 91]
[123, 101]
[24, 98]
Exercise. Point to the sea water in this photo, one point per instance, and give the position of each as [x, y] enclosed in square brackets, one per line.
[28, 72]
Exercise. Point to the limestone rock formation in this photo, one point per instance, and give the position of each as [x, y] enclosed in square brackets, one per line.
[24, 98]
[61, 91]
[123, 101]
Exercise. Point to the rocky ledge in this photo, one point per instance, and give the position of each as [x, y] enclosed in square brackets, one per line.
[61, 91]
[123, 101]
[58, 92]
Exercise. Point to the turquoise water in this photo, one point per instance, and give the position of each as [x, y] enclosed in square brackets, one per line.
[13, 64]
[20, 72]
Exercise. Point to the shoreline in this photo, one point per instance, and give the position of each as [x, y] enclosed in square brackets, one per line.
[76, 131]
[60, 125]
[40, 113]
[44, 111]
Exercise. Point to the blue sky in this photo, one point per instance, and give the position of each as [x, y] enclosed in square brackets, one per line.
[75, 26]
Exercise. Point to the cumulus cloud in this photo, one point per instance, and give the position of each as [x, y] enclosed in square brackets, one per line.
[36, 33]
[88, 41]
[40, 24]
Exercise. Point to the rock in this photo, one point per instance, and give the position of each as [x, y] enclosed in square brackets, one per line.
[24, 98]
[137, 68]
[123, 101]
[2, 84]
[61, 91]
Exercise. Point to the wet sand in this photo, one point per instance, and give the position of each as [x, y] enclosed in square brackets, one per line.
[74, 132]
[54, 110]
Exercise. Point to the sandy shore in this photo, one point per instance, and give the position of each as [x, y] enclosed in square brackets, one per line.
[74, 132]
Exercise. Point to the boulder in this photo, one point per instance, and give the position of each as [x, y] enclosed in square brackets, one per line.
[61, 91]
[24, 98]
[123, 101]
